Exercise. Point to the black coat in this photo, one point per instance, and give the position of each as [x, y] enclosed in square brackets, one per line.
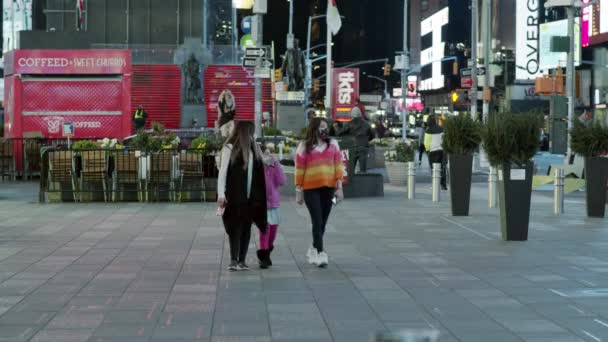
[239, 208]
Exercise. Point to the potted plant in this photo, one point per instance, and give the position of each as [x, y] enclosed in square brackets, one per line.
[462, 136]
[377, 149]
[510, 142]
[397, 158]
[592, 143]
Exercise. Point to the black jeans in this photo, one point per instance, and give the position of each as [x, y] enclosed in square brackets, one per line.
[239, 236]
[421, 150]
[359, 154]
[437, 157]
[319, 202]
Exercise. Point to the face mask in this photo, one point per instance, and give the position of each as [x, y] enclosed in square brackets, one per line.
[323, 133]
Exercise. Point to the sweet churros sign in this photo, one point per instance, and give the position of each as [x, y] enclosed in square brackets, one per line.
[100, 62]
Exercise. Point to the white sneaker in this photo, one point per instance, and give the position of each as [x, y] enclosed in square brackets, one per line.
[322, 260]
[312, 255]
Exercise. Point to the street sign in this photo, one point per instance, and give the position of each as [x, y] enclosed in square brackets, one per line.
[246, 24]
[481, 71]
[263, 72]
[249, 62]
[255, 52]
[466, 82]
[68, 129]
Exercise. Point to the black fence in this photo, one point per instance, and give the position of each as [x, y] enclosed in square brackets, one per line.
[20, 157]
[113, 175]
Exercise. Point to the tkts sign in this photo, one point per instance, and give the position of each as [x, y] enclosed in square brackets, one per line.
[345, 91]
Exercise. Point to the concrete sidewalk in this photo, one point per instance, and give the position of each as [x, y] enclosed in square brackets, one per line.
[156, 272]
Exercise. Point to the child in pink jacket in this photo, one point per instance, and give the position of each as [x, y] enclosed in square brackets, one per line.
[275, 178]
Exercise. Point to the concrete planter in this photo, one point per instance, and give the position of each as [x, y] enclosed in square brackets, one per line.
[376, 157]
[596, 176]
[515, 193]
[461, 167]
[397, 173]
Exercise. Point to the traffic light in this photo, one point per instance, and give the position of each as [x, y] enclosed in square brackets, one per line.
[316, 85]
[278, 75]
[387, 69]
[460, 97]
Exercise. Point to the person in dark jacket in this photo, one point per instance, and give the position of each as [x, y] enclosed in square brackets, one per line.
[361, 132]
[242, 192]
[433, 142]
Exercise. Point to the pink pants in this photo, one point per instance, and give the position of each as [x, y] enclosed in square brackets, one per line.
[267, 238]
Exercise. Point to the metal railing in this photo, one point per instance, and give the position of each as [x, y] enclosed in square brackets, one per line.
[113, 175]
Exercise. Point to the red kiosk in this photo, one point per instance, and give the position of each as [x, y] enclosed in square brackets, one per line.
[46, 88]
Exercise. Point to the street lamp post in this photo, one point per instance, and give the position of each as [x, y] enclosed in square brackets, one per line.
[474, 25]
[406, 66]
[570, 6]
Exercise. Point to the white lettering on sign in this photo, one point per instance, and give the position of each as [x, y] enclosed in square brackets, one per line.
[345, 87]
[526, 48]
[433, 55]
[54, 124]
[77, 62]
[43, 62]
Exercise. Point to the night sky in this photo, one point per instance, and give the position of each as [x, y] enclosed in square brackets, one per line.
[372, 29]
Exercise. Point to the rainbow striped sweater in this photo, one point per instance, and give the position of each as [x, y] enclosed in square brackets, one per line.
[321, 167]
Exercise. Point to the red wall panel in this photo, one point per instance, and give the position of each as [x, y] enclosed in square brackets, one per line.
[158, 89]
[241, 83]
[72, 95]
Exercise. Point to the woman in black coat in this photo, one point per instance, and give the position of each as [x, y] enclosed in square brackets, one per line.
[241, 191]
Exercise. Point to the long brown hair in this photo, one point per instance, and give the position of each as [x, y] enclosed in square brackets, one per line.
[242, 142]
[312, 134]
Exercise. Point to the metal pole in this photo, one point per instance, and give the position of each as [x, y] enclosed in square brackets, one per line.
[205, 22]
[474, 25]
[492, 182]
[570, 80]
[308, 75]
[290, 42]
[558, 192]
[329, 77]
[436, 180]
[487, 41]
[406, 67]
[178, 14]
[235, 34]
[411, 180]
[259, 42]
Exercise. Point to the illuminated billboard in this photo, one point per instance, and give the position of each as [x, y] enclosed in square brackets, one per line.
[432, 50]
[594, 27]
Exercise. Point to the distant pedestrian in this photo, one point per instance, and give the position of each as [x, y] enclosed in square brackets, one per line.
[275, 179]
[241, 192]
[421, 149]
[139, 118]
[318, 178]
[433, 141]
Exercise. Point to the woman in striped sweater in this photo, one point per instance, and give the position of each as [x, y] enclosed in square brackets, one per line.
[318, 180]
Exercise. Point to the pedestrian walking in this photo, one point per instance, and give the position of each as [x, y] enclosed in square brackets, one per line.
[433, 141]
[275, 179]
[421, 148]
[241, 192]
[318, 179]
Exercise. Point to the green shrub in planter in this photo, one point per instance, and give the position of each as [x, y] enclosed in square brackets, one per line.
[462, 137]
[84, 145]
[396, 161]
[272, 132]
[510, 142]
[592, 143]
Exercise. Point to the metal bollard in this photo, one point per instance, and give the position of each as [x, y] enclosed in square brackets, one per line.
[436, 181]
[558, 192]
[411, 180]
[492, 187]
[281, 146]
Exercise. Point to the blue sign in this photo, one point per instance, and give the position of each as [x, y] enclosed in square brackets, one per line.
[246, 24]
